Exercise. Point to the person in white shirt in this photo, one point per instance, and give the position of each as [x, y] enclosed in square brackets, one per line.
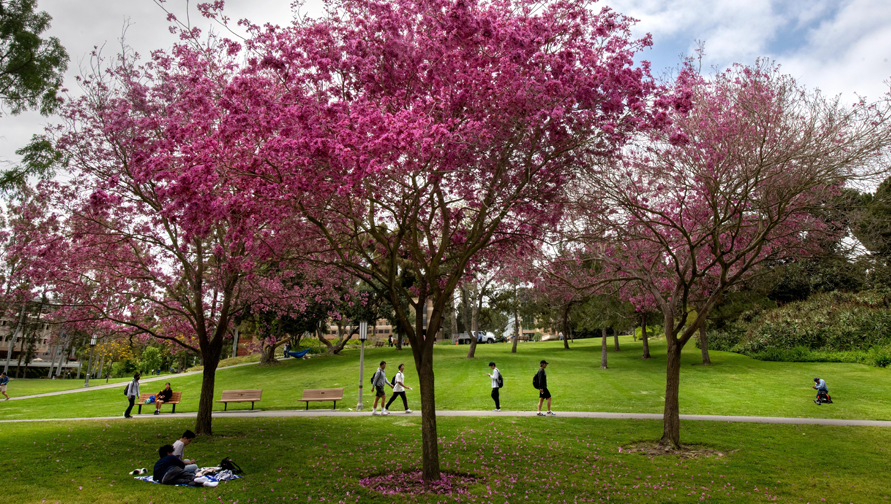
[495, 375]
[132, 394]
[399, 389]
[180, 446]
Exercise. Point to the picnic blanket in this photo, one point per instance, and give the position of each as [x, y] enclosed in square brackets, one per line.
[210, 477]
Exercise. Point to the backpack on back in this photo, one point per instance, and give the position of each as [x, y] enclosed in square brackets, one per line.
[127, 390]
[536, 383]
[500, 380]
[373, 377]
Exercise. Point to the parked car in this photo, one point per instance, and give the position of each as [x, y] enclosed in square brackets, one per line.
[485, 337]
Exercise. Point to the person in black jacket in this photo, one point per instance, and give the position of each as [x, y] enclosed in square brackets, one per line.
[170, 470]
[162, 397]
[543, 392]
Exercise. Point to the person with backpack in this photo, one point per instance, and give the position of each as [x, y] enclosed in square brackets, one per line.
[378, 381]
[132, 393]
[497, 383]
[822, 392]
[399, 389]
[3, 381]
[540, 381]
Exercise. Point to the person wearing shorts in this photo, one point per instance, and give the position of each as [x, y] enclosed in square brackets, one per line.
[3, 381]
[543, 392]
[380, 381]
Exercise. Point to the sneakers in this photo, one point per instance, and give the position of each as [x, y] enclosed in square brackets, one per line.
[127, 416]
[551, 413]
[201, 479]
[407, 411]
[817, 401]
[540, 414]
[385, 411]
[210, 483]
[497, 409]
[157, 412]
[374, 412]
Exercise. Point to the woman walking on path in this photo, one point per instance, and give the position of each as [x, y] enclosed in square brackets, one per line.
[496, 385]
[132, 394]
[399, 389]
[3, 381]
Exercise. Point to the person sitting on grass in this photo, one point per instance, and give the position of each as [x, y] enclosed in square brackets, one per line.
[180, 446]
[169, 470]
[822, 392]
[162, 397]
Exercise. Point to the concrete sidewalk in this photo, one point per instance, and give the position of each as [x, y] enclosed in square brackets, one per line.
[447, 413]
[121, 384]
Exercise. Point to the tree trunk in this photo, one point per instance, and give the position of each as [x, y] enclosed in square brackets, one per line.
[603, 349]
[616, 340]
[211, 357]
[643, 336]
[566, 327]
[453, 317]
[703, 343]
[101, 366]
[268, 356]
[11, 345]
[516, 321]
[474, 321]
[671, 422]
[235, 342]
[429, 444]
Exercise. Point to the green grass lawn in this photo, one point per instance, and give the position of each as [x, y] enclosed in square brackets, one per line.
[22, 387]
[733, 385]
[533, 460]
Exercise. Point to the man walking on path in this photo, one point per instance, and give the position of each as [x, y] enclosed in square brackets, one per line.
[379, 380]
[132, 394]
[541, 380]
[496, 385]
[399, 389]
[3, 381]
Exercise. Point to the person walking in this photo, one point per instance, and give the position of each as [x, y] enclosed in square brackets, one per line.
[379, 380]
[497, 382]
[3, 381]
[399, 389]
[541, 383]
[132, 394]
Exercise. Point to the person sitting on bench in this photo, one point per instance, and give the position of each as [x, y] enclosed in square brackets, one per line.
[162, 397]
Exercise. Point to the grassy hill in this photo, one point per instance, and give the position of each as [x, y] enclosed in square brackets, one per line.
[733, 385]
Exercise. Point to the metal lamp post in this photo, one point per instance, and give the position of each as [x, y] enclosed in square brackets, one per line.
[363, 335]
[90, 365]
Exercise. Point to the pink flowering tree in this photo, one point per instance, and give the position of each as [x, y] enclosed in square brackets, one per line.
[417, 135]
[691, 210]
[155, 236]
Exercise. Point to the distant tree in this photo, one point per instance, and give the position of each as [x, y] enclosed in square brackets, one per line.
[31, 67]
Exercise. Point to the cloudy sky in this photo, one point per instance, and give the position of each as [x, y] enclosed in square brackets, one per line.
[840, 46]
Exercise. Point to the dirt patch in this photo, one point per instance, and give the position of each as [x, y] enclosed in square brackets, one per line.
[413, 483]
[652, 449]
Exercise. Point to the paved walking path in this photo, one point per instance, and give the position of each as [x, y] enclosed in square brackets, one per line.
[449, 413]
[118, 384]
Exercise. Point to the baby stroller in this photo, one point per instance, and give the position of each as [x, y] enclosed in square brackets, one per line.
[823, 397]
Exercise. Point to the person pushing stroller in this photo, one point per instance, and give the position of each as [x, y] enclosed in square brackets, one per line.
[822, 392]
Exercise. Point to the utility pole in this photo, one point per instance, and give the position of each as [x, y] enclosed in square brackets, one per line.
[363, 335]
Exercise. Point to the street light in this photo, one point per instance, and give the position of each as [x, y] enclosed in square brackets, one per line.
[363, 335]
[90, 366]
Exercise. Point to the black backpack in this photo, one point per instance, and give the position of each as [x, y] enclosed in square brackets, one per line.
[228, 465]
[127, 390]
[373, 377]
[535, 382]
[500, 380]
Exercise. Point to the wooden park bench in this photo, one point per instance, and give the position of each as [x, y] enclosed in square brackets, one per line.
[174, 400]
[328, 394]
[240, 396]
